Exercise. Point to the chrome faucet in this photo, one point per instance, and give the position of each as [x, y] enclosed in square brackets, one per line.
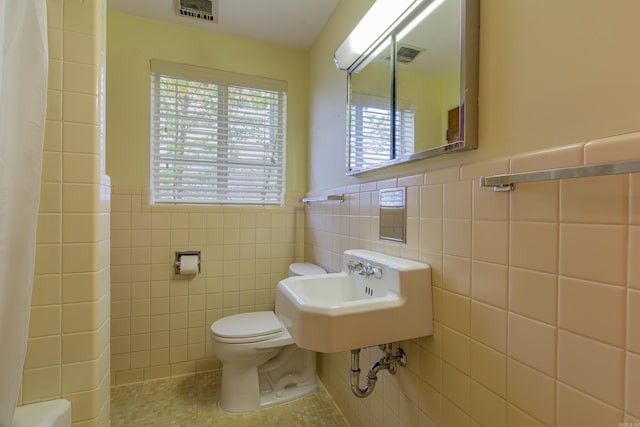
[355, 266]
[367, 270]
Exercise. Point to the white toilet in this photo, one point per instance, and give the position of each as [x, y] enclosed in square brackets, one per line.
[261, 365]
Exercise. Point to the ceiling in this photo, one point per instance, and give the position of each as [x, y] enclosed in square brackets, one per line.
[294, 23]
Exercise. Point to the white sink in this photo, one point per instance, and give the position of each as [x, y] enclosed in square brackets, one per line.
[349, 310]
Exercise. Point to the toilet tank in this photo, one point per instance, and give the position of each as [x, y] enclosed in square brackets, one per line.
[305, 269]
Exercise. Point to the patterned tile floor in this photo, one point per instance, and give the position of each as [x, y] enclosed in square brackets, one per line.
[192, 402]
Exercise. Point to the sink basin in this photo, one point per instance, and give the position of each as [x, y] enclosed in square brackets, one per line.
[376, 299]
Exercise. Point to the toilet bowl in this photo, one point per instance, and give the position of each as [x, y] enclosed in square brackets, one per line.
[261, 365]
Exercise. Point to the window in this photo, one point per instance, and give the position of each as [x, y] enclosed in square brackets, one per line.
[370, 131]
[216, 137]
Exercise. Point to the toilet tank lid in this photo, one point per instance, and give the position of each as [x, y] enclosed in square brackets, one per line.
[247, 325]
[305, 269]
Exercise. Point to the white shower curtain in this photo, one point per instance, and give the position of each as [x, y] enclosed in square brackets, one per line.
[23, 90]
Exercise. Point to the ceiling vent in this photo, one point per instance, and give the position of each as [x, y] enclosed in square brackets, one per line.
[407, 54]
[207, 10]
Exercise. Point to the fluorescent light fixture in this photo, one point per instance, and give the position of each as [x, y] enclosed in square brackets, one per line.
[381, 47]
[380, 17]
[376, 23]
[426, 12]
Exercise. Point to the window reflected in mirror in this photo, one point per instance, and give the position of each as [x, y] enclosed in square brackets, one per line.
[370, 111]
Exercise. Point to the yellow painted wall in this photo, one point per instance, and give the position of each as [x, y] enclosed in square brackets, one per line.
[550, 74]
[133, 41]
[328, 96]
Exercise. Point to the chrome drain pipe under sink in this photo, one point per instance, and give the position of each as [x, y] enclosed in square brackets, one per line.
[389, 361]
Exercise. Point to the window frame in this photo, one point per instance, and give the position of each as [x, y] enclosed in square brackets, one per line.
[252, 129]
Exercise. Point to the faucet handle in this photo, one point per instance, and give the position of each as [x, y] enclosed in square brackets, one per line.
[377, 272]
[355, 266]
[374, 271]
[365, 270]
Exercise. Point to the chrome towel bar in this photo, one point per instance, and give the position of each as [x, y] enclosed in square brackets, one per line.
[506, 182]
[322, 198]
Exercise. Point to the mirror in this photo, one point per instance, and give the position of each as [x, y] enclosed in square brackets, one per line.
[424, 102]
[370, 111]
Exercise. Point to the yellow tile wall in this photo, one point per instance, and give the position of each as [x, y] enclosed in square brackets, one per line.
[68, 348]
[536, 294]
[159, 320]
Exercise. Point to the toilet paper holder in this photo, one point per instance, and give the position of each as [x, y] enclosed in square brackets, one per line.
[179, 255]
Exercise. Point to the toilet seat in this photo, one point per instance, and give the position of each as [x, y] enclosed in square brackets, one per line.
[247, 327]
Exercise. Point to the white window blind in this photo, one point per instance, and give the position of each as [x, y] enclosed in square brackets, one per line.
[216, 137]
[370, 131]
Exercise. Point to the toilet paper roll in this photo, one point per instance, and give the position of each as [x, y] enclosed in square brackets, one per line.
[189, 264]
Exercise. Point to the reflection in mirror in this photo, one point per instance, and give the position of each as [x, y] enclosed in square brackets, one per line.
[428, 75]
[370, 111]
[428, 105]
[393, 214]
